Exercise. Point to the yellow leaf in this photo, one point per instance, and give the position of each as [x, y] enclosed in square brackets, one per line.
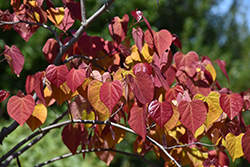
[210, 68]
[199, 131]
[33, 3]
[86, 116]
[177, 132]
[172, 122]
[233, 145]
[55, 15]
[38, 116]
[196, 156]
[37, 16]
[135, 55]
[214, 109]
[147, 54]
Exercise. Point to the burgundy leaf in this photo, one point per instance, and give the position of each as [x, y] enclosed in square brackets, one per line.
[246, 145]
[160, 112]
[142, 67]
[137, 15]
[39, 76]
[176, 41]
[30, 84]
[3, 95]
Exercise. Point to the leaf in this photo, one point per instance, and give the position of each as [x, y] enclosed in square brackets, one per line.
[30, 84]
[246, 145]
[137, 120]
[160, 112]
[57, 74]
[222, 65]
[110, 93]
[171, 93]
[196, 156]
[172, 122]
[88, 116]
[233, 145]
[143, 87]
[14, 58]
[211, 70]
[3, 95]
[94, 97]
[50, 50]
[55, 15]
[176, 41]
[162, 41]
[38, 116]
[137, 15]
[142, 67]
[67, 21]
[75, 78]
[231, 104]
[182, 60]
[20, 108]
[198, 87]
[38, 85]
[138, 36]
[118, 28]
[72, 136]
[193, 114]
[214, 109]
[62, 93]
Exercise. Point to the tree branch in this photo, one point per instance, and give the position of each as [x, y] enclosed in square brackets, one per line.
[83, 11]
[96, 150]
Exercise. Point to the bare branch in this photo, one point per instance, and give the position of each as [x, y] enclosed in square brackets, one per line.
[189, 144]
[83, 11]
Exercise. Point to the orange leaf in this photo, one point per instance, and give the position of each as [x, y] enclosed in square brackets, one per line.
[38, 116]
[55, 15]
[62, 93]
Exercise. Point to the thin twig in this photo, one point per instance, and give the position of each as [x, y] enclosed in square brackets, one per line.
[189, 144]
[96, 150]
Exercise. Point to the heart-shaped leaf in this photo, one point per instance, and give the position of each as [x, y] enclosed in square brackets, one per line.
[67, 21]
[246, 145]
[162, 41]
[75, 78]
[231, 104]
[50, 50]
[182, 60]
[193, 114]
[14, 58]
[233, 145]
[38, 116]
[142, 67]
[72, 136]
[137, 120]
[160, 112]
[110, 93]
[21, 108]
[138, 36]
[57, 74]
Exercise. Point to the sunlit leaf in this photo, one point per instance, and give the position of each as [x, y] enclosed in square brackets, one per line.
[50, 50]
[196, 156]
[57, 74]
[162, 41]
[234, 146]
[67, 21]
[88, 116]
[55, 15]
[75, 78]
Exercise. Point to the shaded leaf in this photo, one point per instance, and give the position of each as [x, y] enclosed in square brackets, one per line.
[196, 156]
[62, 93]
[137, 120]
[20, 108]
[3, 95]
[57, 74]
[138, 36]
[14, 58]
[176, 41]
[110, 93]
[231, 104]
[50, 50]
[193, 114]
[75, 78]
[160, 112]
[38, 116]
[222, 65]
[30, 84]
[233, 145]
[246, 145]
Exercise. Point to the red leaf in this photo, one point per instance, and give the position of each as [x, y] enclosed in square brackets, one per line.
[231, 104]
[176, 41]
[21, 108]
[30, 84]
[75, 78]
[50, 50]
[39, 76]
[160, 112]
[90, 45]
[222, 65]
[14, 58]
[142, 67]
[171, 94]
[193, 114]
[160, 79]
[72, 136]
[137, 120]
[3, 95]
[137, 15]
[67, 22]
[162, 41]
[118, 28]
[110, 93]
[182, 60]
[149, 39]
[198, 87]
[6, 16]
[57, 74]
[138, 36]
[246, 145]
[143, 87]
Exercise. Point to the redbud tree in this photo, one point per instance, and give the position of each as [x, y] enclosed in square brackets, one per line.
[170, 101]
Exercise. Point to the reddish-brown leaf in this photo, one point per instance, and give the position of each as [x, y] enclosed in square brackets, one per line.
[3, 95]
[198, 87]
[138, 36]
[193, 114]
[231, 104]
[142, 86]
[137, 120]
[142, 67]
[75, 78]
[50, 50]
[222, 65]
[67, 22]
[57, 74]
[110, 93]
[176, 41]
[160, 79]
[21, 108]
[72, 136]
[171, 93]
[30, 84]
[162, 41]
[246, 145]
[160, 112]
[14, 58]
[182, 60]
[74, 8]
[38, 85]
[149, 39]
